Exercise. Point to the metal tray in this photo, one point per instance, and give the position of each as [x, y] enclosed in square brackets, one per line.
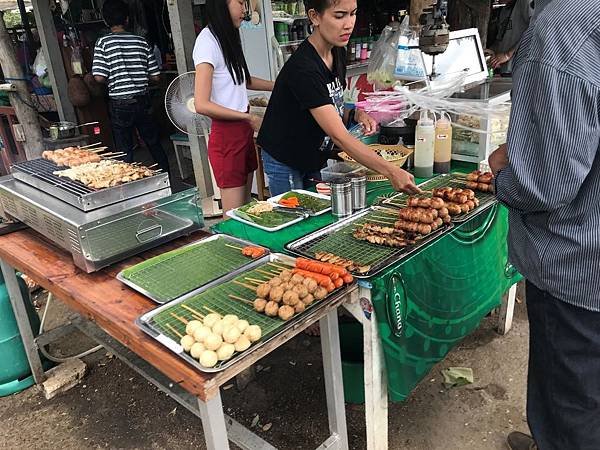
[337, 239]
[39, 174]
[275, 200]
[276, 326]
[220, 261]
[486, 199]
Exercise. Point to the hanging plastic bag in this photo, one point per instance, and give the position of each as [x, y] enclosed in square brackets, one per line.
[383, 58]
[39, 64]
[409, 61]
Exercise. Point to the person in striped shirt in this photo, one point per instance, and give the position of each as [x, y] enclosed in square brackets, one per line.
[548, 175]
[126, 63]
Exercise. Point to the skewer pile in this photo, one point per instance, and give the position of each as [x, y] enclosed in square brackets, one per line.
[106, 173]
[481, 181]
[457, 201]
[213, 338]
[347, 264]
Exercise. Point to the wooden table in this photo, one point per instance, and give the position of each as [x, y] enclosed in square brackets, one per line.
[109, 310]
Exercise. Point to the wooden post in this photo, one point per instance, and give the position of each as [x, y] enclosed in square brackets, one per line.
[54, 59]
[20, 99]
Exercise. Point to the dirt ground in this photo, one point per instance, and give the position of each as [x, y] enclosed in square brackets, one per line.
[114, 407]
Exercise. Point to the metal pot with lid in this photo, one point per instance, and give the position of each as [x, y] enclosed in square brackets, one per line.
[66, 130]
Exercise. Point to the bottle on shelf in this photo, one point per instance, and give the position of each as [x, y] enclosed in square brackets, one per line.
[364, 49]
[424, 146]
[443, 145]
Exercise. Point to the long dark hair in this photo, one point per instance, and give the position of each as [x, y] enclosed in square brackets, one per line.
[339, 53]
[221, 26]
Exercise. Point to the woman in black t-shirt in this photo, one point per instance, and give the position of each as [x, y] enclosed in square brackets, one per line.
[306, 113]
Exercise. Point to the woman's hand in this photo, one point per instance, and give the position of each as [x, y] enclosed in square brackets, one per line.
[368, 123]
[255, 121]
[402, 180]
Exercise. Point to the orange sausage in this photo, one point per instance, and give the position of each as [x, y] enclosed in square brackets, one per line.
[348, 278]
[339, 282]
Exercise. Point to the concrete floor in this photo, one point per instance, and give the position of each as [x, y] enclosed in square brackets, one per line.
[113, 407]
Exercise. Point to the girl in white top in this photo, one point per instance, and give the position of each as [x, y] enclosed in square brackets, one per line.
[222, 80]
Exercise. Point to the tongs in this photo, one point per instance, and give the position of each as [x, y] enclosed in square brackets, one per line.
[298, 210]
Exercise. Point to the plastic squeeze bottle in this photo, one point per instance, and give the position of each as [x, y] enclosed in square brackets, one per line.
[424, 146]
[443, 145]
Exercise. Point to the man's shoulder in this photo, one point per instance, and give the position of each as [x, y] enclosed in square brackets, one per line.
[123, 38]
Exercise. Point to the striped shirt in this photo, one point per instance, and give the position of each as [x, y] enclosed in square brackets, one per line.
[552, 184]
[126, 60]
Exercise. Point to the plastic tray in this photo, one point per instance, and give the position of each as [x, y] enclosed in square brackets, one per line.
[173, 274]
[231, 213]
[275, 200]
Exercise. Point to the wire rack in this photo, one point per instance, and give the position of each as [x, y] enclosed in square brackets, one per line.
[486, 199]
[167, 322]
[44, 169]
[338, 239]
[173, 274]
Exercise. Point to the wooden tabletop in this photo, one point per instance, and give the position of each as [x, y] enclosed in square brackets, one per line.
[114, 307]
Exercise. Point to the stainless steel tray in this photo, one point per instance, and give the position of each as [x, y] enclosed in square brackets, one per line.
[447, 180]
[146, 323]
[338, 237]
[39, 174]
[161, 299]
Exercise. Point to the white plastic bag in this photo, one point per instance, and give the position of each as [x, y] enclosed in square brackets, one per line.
[383, 59]
[39, 64]
[409, 61]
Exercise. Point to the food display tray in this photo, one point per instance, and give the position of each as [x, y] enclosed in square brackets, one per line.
[215, 296]
[337, 239]
[275, 200]
[231, 213]
[173, 274]
[39, 173]
[486, 199]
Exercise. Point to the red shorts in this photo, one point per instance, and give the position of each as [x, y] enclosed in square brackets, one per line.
[231, 152]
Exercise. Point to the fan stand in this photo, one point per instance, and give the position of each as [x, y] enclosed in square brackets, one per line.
[205, 180]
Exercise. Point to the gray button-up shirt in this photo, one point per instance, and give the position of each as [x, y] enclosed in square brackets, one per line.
[552, 184]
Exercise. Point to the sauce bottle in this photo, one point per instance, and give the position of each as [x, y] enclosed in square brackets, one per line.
[443, 145]
[424, 146]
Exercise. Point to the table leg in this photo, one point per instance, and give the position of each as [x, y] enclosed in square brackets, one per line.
[213, 424]
[334, 383]
[507, 310]
[376, 395]
[27, 334]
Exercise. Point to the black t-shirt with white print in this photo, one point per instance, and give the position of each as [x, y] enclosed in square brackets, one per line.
[289, 132]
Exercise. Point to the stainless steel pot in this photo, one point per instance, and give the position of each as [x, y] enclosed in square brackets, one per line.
[66, 130]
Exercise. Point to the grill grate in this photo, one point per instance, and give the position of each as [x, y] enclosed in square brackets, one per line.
[338, 239]
[43, 170]
[447, 180]
[173, 274]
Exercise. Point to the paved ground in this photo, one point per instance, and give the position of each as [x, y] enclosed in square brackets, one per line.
[113, 407]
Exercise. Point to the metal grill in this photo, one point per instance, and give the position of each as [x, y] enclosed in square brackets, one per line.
[338, 240]
[43, 170]
[486, 199]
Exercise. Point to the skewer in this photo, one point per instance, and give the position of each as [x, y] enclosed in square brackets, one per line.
[380, 221]
[240, 299]
[233, 246]
[252, 215]
[389, 219]
[172, 328]
[281, 266]
[266, 273]
[193, 311]
[212, 310]
[181, 319]
[256, 281]
[247, 286]
[91, 145]
[153, 165]
[97, 150]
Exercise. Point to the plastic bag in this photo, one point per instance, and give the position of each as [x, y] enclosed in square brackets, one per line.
[39, 64]
[409, 62]
[383, 59]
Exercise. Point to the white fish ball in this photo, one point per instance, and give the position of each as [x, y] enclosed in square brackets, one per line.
[192, 326]
[242, 325]
[242, 344]
[231, 335]
[230, 319]
[213, 342]
[197, 350]
[201, 333]
[218, 328]
[211, 319]
[187, 342]
[225, 352]
[253, 333]
[208, 358]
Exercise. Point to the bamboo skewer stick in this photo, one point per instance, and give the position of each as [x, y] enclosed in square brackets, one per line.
[253, 281]
[233, 246]
[193, 311]
[172, 328]
[212, 311]
[97, 150]
[256, 280]
[181, 319]
[240, 299]
[381, 221]
[247, 286]
[272, 275]
[91, 145]
[281, 266]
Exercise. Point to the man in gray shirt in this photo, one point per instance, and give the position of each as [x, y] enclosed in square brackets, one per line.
[548, 174]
